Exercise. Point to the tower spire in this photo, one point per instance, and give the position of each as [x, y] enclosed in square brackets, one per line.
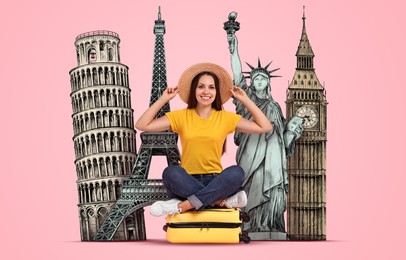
[159, 83]
[305, 76]
[304, 52]
[304, 33]
[159, 27]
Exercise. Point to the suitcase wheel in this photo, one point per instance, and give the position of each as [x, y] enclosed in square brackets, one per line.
[244, 237]
[244, 216]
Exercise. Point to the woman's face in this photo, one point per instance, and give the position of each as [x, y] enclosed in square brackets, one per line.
[260, 82]
[206, 90]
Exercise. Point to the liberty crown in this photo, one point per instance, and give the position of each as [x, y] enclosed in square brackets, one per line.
[259, 69]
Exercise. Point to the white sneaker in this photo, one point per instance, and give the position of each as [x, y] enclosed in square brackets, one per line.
[238, 200]
[161, 208]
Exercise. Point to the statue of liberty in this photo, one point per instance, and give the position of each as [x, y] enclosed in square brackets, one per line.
[262, 156]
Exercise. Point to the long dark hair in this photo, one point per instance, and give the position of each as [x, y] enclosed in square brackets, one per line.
[217, 103]
[192, 101]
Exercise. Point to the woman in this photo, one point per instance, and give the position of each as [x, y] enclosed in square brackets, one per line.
[200, 180]
[263, 156]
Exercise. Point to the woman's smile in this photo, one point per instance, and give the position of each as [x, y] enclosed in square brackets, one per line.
[206, 89]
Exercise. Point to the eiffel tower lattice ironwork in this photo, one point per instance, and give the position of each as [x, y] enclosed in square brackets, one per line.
[138, 191]
[159, 68]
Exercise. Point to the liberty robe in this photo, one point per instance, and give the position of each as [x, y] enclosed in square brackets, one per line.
[263, 158]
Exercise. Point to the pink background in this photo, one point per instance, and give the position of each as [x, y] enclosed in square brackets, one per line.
[359, 49]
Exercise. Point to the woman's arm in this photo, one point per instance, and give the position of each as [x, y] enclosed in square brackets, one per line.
[147, 122]
[260, 124]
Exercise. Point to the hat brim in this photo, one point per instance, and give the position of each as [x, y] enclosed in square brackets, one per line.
[225, 81]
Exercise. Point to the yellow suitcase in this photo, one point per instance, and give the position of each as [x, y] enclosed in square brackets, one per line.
[207, 226]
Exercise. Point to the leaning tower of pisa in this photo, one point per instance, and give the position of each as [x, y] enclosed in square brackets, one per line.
[104, 136]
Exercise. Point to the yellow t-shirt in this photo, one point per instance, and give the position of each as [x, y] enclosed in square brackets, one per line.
[202, 139]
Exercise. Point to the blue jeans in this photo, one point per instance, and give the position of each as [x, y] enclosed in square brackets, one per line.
[202, 190]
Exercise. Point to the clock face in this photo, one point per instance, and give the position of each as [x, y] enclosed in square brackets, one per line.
[310, 115]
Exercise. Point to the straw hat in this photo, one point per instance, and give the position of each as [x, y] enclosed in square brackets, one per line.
[225, 81]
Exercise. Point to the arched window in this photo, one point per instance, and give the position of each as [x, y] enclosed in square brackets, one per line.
[93, 143]
[109, 169]
[90, 99]
[101, 76]
[97, 99]
[98, 193]
[118, 188]
[112, 142]
[111, 118]
[92, 194]
[123, 120]
[111, 190]
[78, 56]
[81, 123]
[98, 120]
[92, 55]
[87, 122]
[105, 119]
[92, 121]
[95, 77]
[115, 167]
[113, 76]
[103, 171]
[119, 142]
[78, 80]
[121, 166]
[89, 169]
[87, 197]
[117, 118]
[127, 119]
[106, 76]
[88, 145]
[96, 168]
[104, 191]
[106, 142]
[101, 45]
[111, 53]
[125, 142]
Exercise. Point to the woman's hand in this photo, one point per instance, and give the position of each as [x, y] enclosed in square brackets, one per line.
[147, 121]
[170, 93]
[238, 93]
[260, 124]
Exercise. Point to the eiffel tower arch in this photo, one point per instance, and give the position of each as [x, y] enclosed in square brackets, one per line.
[138, 191]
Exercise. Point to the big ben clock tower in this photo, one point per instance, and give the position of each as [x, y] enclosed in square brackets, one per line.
[307, 167]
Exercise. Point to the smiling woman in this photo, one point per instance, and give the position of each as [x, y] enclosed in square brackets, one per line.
[200, 181]
[205, 86]
[206, 89]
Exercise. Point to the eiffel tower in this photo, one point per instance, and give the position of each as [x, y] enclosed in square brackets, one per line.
[138, 191]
